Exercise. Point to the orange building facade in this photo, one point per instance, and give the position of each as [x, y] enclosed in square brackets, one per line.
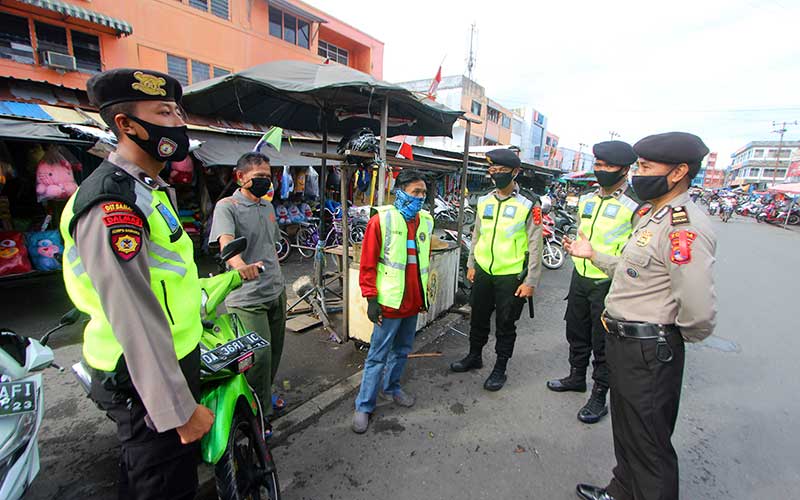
[66, 42]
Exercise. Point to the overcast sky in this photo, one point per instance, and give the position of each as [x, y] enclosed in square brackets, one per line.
[722, 69]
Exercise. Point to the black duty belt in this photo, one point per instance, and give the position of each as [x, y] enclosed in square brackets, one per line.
[636, 329]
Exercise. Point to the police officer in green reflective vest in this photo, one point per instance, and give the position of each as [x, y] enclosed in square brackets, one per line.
[504, 265]
[605, 217]
[130, 266]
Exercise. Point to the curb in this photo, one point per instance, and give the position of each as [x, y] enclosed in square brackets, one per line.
[310, 411]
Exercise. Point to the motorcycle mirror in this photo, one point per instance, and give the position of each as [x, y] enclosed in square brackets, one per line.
[235, 247]
[70, 317]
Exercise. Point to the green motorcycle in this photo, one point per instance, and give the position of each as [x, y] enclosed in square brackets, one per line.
[235, 445]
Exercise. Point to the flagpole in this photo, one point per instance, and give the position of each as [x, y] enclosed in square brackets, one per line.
[382, 168]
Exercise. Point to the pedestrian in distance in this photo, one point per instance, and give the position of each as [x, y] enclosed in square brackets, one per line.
[504, 265]
[395, 261]
[662, 295]
[607, 216]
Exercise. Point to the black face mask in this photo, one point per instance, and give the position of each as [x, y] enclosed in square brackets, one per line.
[260, 186]
[650, 187]
[501, 180]
[164, 143]
[609, 179]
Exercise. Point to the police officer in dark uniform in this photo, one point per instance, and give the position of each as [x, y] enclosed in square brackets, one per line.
[606, 218]
[130, 266]
[504, 265]
[662, 294]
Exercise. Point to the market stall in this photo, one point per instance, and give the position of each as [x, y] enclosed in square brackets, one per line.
[326, 99]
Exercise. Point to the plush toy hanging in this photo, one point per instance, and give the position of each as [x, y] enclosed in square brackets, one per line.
[182, 171]
[13, 254]
[42, 249]
[54, 180]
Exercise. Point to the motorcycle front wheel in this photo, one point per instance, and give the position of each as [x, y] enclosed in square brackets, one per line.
[246, 470]
[552, 255]
[794, 219]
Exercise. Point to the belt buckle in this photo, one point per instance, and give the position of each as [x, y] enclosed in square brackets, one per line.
[620, 329]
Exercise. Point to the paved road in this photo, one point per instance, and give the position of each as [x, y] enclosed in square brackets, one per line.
[736, 436]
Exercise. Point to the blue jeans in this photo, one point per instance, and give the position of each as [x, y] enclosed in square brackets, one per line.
[388, 352]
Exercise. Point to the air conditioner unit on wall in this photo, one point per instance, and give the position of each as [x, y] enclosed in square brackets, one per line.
[58, 60]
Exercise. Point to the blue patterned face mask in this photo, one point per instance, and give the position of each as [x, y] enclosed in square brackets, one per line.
[408, 205]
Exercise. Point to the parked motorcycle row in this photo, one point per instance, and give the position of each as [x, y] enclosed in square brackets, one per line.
[769, 211]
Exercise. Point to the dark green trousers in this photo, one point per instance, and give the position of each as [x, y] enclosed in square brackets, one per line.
[268, 320]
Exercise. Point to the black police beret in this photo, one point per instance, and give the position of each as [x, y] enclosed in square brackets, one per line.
[616, 153]
[125, 85]
[503, 158]
[672, 147]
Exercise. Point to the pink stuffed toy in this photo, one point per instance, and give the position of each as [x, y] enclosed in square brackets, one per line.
[54, 180]
[182, 171]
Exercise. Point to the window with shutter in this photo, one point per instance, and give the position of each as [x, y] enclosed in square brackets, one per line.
[51, 38]
[220, 8]
[200, 71]
[177, 68]
[220, 72]
[86, 49]
[15, 39]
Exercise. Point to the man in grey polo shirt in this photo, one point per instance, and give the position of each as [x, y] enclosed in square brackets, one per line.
[260, 303]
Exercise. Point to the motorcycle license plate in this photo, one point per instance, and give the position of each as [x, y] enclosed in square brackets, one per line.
[17, 397]
[222, 356]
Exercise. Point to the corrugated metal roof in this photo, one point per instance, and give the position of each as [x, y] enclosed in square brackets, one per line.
[23, 110]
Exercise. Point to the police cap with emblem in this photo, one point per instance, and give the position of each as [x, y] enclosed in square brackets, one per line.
[615, 153]
[125, 85]
[673, 148]
[503, 158]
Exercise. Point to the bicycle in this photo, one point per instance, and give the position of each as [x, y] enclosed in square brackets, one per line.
[307, 236]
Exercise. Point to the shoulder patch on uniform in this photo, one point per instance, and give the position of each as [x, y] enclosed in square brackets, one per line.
[116, 206]
[644, 210]
[537, 215]
[126, 242]
[681, 241]
[679, 216]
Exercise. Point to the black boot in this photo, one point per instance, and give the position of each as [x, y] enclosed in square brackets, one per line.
[472, 361]
[589, 492]
[575, 381]
[595, 408]
[498, 377]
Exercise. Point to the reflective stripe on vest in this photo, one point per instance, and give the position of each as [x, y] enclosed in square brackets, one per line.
[503, 240]
[173, 281]
[391, 276]
[607, 224]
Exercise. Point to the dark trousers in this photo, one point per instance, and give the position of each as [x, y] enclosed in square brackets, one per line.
[494, 294]
[645, 394]
[153, 465]
[585, 332]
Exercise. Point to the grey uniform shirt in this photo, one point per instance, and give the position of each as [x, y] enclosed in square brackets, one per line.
[664, 274]
[255, 220]
[534, 232]
[136, 317]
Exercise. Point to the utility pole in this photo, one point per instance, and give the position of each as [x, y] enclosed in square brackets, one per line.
[472, 57]
[579, 156]
[613, 134]
[781, 130]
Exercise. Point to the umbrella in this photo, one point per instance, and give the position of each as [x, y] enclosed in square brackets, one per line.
[314, 97]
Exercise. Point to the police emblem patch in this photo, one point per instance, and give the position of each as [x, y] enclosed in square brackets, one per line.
[422, 236]
[632, 272]
[537, 215]
[166, 147]
[644, 238]
[149, 84]
[509, 211]
[611, 211]
[125, 242]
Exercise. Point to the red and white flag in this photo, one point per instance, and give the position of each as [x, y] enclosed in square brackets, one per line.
[435, 84]
[406, 150]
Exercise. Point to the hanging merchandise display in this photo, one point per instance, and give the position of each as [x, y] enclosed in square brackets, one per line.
[44, 247]
[299, 179]
[287, 185]
[54, 179]
[312, 184]
[13, 254]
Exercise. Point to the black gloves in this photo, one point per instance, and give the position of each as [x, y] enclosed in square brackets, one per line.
[374, 310]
